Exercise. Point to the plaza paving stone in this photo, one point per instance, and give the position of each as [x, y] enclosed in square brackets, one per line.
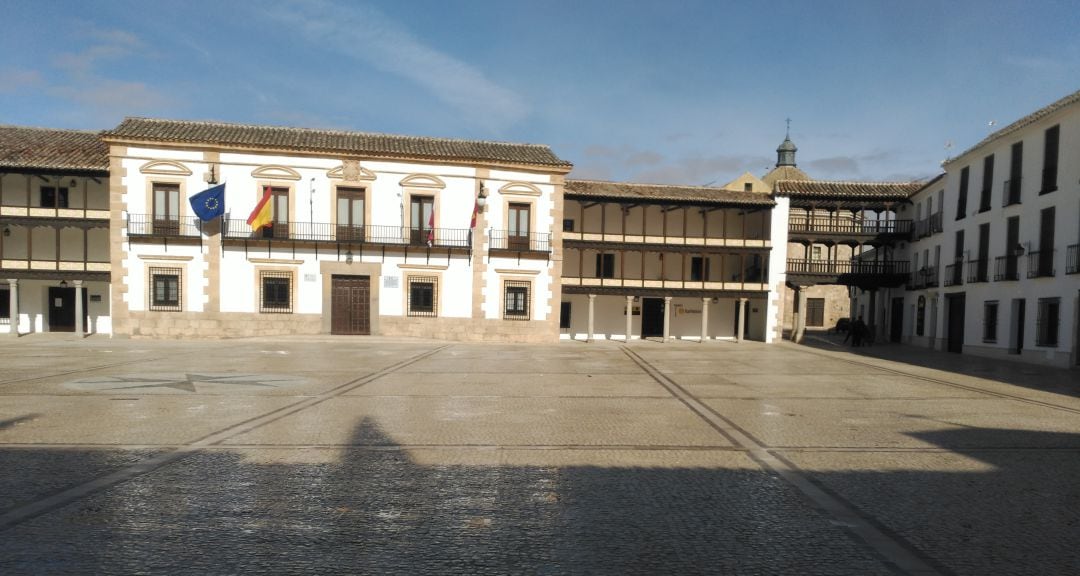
[328, 455]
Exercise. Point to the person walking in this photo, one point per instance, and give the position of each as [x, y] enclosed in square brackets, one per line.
[858, 331]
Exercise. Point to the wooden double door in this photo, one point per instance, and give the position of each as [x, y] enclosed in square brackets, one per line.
[350, 305]
[62, 309]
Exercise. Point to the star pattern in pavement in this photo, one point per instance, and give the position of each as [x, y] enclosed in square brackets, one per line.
[187, 383]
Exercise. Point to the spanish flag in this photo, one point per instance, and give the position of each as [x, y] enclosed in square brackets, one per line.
[263, 214]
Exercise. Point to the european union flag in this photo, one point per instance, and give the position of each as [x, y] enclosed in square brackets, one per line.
[210, 203]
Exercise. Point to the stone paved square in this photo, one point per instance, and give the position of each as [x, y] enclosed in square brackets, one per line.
[325, 455]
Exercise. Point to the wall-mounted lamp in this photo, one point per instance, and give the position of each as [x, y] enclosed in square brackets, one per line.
[348, 256]
[481, 197]
[63, 283]
[924, 271]
[7, 231]
[1018, 250]
[211, 175]
[73, 183]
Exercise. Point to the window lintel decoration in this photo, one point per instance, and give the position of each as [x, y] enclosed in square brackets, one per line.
[422, 181]
[275, 172]
[343, 173]
[520, 189]
[165, 167]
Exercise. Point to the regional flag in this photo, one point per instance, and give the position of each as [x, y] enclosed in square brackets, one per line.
[209, 203]
[262, 214]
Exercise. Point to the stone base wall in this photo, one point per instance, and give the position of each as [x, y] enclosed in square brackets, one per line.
[1042, 356]
[470, 329]
[220, 324]
[241, 325]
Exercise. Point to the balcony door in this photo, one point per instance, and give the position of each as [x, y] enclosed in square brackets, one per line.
[350, 214]
[421, 209]
[518, 224]
[279, 214]
[166, 209]
[1046, 242]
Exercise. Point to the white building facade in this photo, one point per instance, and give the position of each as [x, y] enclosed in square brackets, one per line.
[370, 234]
[996, 269]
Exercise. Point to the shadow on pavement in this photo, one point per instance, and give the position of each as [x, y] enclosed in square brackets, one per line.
[374, 510]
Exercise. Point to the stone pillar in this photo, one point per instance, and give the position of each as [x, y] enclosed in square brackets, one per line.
[800, 306]
[80, 329]
[14, 301]
[741, 329]
[592, 304]
[667, 318]
[704, 319]
[629, 317]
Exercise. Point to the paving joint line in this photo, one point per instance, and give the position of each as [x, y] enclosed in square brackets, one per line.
[21, 514]
[891, 548]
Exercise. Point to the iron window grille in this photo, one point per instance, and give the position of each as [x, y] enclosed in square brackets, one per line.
[165, 289]
[276, 292]
[423, 296]
[516, 300]
[990, 321]
[1046, 324]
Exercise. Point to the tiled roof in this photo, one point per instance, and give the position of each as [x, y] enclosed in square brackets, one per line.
[847, 190]
[784, 173]
[332, 141]
[51, 149]
[1027, 120]
[663, 192]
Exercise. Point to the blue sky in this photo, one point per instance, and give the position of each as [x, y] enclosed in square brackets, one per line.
[677, 92]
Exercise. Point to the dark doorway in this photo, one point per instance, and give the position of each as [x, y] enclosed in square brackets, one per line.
[652, 317]
[1016, 344]
[896, 322]
[62, 309]
[350, 305]
[956, 322]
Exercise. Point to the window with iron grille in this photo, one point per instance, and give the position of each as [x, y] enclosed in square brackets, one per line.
[516, 300]
[990, 321]
[5, 305]
[1046, 325]
[276, 292]
[423, 294]
[568, 225]
[165, 289]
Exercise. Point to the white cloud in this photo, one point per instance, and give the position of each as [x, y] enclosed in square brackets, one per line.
[13, 80]
[364, 33]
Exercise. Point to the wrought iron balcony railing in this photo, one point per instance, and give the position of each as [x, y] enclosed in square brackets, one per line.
[1007, 268]
[533, 242]
[954, 274]
[371, 234]
[978, 270]
[1010, 193]
[935, 223]
[1041, 264]
[1072, 259]
[164, 227]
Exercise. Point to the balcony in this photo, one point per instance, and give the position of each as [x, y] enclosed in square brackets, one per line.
[1041, 264]
[236, 229]
[146, 225]
[1072, 259]
[1007, 268]
[56, 268]
[978, 270]
[798, 224]
[532, 242]
[954, 274]
[867, 274]
[935, 223]
[1010, 193]
[582, 239]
